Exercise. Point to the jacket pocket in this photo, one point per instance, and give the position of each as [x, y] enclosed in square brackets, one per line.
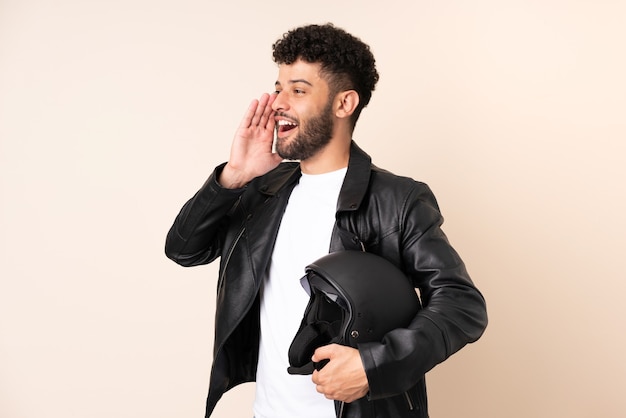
[407, 404]
[415, 400]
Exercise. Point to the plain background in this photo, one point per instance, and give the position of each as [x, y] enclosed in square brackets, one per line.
[113, 113]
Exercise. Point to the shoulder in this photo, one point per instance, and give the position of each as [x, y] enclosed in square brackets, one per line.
[387, 181]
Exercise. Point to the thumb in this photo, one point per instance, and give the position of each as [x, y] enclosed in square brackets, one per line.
[324, 352]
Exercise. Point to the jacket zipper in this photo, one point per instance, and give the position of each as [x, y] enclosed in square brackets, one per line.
[232, 247]
[409, 401]
[235, 242]
[230, 253]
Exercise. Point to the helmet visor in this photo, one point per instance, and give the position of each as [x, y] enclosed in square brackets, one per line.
[313, 281]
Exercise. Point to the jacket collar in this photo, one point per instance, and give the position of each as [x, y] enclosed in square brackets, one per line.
[356, 181]
[353, 188]
[274, 181]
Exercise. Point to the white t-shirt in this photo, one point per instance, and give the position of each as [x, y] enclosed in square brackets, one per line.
[303, 237]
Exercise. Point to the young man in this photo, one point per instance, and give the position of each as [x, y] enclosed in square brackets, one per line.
[267, 219]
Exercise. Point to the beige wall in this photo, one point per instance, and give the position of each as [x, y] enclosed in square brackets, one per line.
[112, 113]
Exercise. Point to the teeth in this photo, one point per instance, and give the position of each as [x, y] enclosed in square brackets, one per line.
[285, 122]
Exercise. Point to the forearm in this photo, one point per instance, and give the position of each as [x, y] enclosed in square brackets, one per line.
[453, 313]
[454, 317]
[196, 235]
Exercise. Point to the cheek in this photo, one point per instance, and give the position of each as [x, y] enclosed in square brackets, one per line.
[311, 111]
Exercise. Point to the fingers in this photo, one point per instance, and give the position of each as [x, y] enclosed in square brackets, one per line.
[323, 353]
[247, 117]
[259, 113]
[344, 378]
[268, 115]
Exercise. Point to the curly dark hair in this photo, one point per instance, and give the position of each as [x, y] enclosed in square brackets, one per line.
[348, 62]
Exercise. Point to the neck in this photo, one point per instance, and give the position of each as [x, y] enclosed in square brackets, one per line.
[332, 157]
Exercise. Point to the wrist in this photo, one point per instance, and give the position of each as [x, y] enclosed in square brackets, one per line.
[231, 178]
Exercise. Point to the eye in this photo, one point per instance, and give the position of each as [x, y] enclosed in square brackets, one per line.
[298, 91]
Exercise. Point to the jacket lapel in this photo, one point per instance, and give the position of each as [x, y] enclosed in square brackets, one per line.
[353, 191]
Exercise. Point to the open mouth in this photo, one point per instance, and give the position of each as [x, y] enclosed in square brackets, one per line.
[284, 126]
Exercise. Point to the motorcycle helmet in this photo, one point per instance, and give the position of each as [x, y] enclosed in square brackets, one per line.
[354, 297]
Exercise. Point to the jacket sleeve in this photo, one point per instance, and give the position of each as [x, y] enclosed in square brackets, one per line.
[454, 311]
[197, 235]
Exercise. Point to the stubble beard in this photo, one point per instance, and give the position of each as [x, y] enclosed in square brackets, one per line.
[314, 135]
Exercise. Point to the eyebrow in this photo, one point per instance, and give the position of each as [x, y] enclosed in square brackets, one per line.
[299, 80]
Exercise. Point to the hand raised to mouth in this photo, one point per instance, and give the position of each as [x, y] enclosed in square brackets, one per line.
[251, 151]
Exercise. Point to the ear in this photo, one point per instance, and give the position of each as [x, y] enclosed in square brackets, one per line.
[346, 103]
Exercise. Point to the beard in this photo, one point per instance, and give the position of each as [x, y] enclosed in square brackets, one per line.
[314, 135]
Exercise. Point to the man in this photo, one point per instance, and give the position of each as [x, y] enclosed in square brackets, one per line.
[267, 219]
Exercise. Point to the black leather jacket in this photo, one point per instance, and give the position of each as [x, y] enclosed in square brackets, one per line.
[395, 217]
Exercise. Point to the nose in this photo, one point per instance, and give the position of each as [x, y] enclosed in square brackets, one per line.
[280, 103]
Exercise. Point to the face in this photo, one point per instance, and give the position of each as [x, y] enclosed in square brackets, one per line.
[304, 115]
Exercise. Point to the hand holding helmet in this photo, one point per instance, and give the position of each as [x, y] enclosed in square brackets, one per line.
[343, 379]
[355, 297]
